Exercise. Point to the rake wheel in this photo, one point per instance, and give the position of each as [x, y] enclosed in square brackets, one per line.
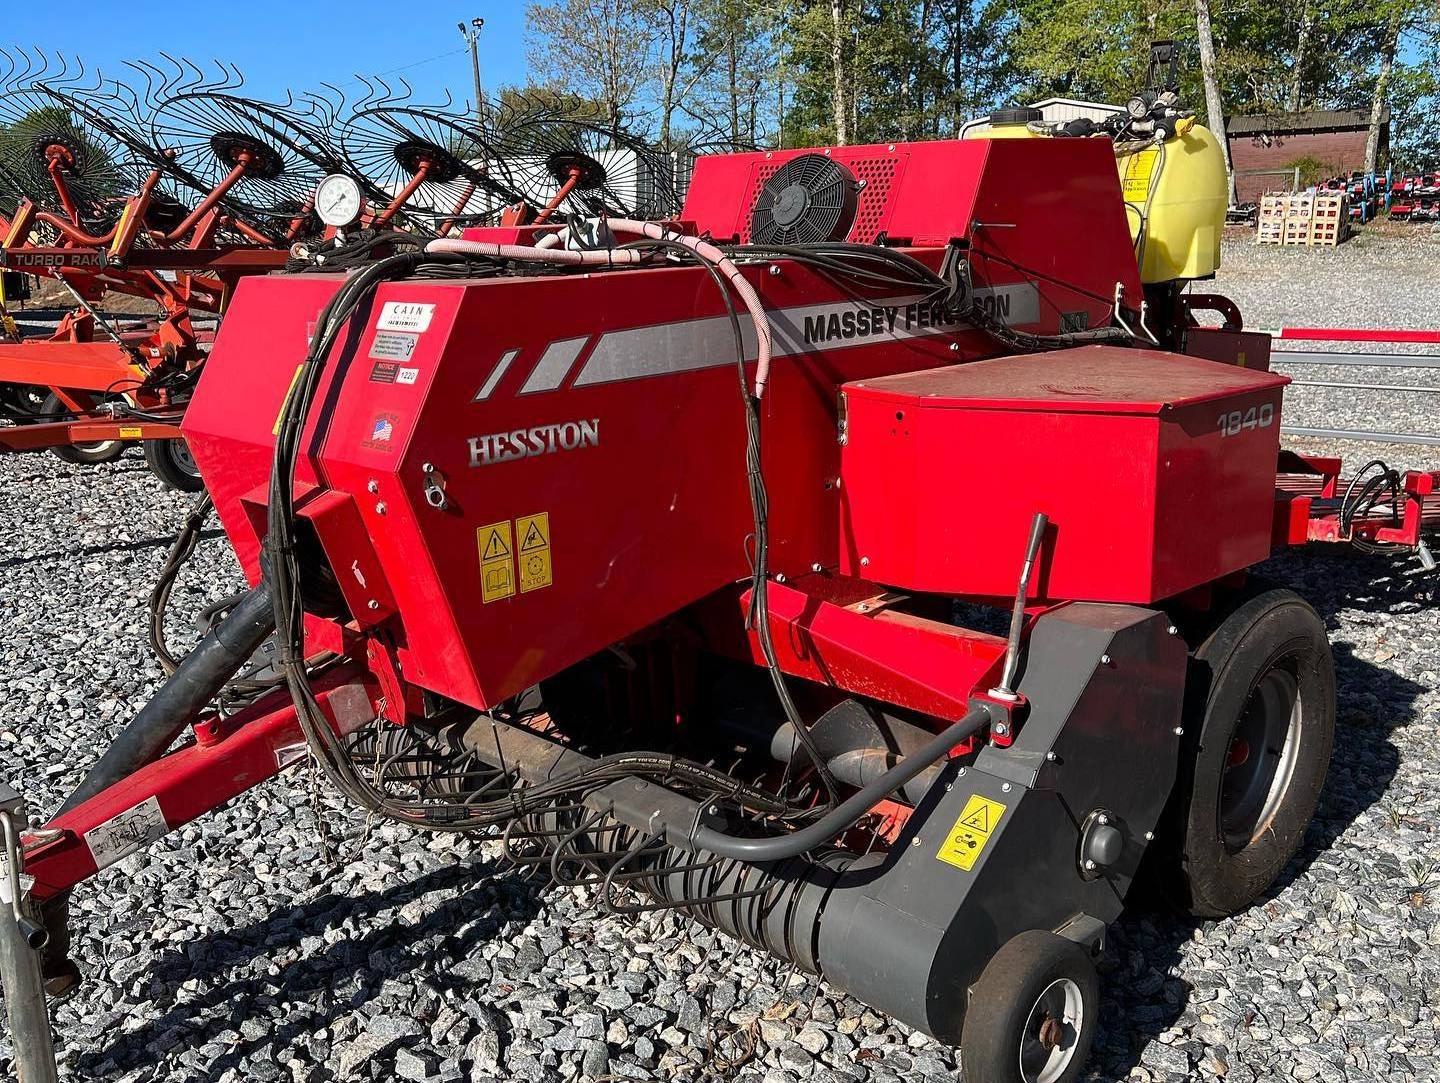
[450, 170]
[284, 150]
[608, 171]
[44, 125]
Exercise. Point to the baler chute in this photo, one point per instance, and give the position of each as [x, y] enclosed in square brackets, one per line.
[658, 548]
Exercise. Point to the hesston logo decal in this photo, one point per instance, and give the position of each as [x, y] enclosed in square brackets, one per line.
[504, 447]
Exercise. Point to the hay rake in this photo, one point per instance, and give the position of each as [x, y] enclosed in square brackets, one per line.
[433, 165]
[170, 193]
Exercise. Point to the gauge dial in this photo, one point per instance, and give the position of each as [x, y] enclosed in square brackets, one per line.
[338, 201]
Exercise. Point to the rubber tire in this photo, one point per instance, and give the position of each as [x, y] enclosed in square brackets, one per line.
[1001, 1001]
[103, 451]
[1198, 875]
[161, 458]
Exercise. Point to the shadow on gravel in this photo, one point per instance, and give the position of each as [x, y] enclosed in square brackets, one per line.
[332, 981]
[95, 550]
[1143, 997]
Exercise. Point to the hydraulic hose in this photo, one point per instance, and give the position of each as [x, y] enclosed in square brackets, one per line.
[844, 815]
[196, 681]
[702, 249]
[714, 256]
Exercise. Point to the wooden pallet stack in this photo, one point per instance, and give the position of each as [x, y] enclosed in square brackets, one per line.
[1299, 216]
[1270, 222]
[1331, 220]
[1303, 218]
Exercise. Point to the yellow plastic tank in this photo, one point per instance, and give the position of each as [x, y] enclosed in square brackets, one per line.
[1176, 194]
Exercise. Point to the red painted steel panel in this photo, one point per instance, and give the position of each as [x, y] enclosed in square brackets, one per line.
[649, 512]
[1128, 452]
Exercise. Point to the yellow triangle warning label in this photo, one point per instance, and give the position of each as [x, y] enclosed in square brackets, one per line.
[495, 548]
[534, 532]
[972, 831]
[497, 572]
[979, 820]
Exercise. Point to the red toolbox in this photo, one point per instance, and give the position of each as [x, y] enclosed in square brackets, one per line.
[943, 470]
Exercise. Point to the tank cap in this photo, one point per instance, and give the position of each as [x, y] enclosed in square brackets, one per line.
[1018, 115]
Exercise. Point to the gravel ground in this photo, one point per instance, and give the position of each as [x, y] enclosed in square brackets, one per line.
[235, 949]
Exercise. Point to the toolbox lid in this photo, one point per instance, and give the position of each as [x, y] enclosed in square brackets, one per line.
[1083, 379]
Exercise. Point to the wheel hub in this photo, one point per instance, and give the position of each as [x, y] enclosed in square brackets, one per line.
[231, 147]
[1261, 758]
[1052, 1032]
[588, 173]
[444, 166]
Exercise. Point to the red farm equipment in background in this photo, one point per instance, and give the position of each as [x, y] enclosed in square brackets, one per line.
[170, 197]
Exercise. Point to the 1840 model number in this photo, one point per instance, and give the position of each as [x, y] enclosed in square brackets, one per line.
[1237, 421]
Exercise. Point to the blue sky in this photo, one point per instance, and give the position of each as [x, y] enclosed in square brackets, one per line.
[282, 46]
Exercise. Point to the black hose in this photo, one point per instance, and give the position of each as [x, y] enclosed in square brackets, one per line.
[844, 815]
[196, 681]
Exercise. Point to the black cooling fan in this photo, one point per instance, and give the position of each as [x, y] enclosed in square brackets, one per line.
[810, 199]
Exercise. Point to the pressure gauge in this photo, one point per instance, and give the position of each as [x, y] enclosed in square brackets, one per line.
[338, 201]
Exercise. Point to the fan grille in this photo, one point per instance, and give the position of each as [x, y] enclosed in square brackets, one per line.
[808, 200]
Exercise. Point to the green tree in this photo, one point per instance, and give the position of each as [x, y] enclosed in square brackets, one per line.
[598, 49]
[93, 177]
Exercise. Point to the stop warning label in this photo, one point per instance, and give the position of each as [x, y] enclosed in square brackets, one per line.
[966, 840]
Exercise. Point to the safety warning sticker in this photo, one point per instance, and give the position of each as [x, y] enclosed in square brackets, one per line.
[1139, 169]
[120, 836]
[393, 345]
[497, 562]
[131, 432]
[966, 840]
[533, 532]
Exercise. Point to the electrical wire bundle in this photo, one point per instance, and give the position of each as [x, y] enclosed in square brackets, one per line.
[356, 249]
[874, 265]
[1362, 498]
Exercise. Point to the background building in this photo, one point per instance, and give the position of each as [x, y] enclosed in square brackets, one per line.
[1331, 141]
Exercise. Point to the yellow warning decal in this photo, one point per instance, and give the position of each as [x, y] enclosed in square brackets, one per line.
[1139, 168]
[967, 839]
[535, 568]
[497, 565]
[275, 430]
[131, 432]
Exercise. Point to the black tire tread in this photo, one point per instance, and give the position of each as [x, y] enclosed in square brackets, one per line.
[161, 461]
[1193, 881]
